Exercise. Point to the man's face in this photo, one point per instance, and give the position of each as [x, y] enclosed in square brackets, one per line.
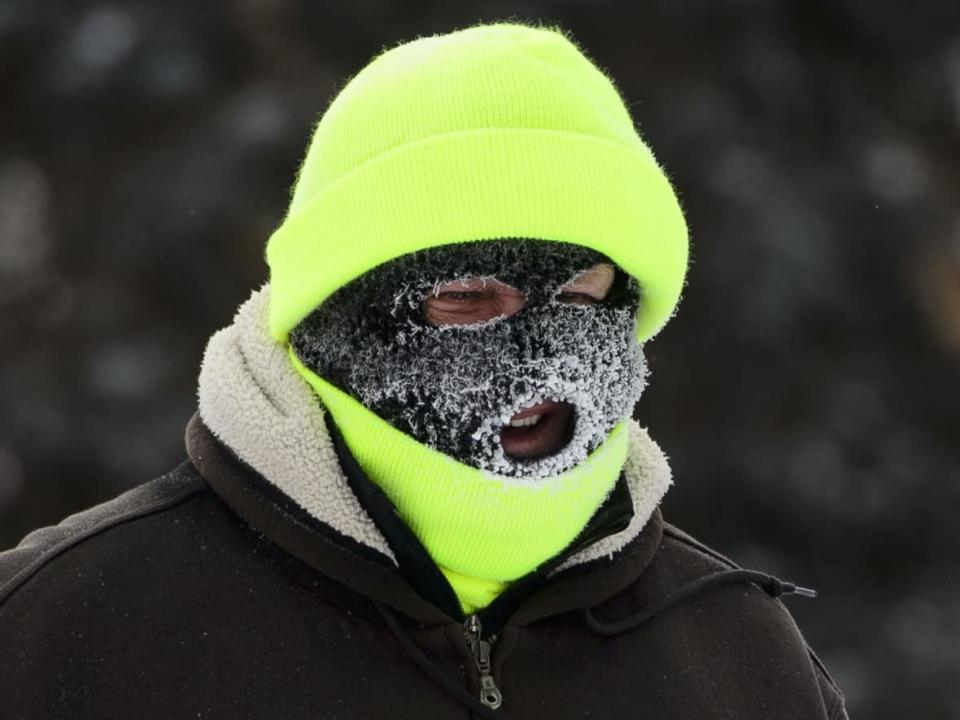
[514, 356]
[543, 428]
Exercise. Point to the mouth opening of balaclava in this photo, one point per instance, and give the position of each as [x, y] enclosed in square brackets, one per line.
[455, 387]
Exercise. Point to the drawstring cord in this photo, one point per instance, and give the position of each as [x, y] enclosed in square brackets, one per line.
[772, 585]
[454, 690]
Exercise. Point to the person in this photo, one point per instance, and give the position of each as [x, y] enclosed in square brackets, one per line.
[414, 487]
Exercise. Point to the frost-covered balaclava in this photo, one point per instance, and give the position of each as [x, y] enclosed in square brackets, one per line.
[453, 387]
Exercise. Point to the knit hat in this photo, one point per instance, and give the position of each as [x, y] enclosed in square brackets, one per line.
[493, 131]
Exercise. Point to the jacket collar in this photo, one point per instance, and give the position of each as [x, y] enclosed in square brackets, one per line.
[260, 437]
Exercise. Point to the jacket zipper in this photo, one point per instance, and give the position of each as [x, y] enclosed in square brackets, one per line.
[489, 692]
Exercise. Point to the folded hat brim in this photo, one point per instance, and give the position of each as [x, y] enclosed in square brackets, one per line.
[483, 184]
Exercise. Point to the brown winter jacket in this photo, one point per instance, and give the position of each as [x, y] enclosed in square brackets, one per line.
[267, 577]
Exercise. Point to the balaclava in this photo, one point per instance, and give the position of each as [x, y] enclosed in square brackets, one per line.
[453, 387]
[501, 151]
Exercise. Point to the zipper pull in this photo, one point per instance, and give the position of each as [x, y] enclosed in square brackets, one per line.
[489, 692]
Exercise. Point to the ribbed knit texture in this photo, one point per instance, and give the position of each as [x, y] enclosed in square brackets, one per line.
[493, 131]
[483, 530]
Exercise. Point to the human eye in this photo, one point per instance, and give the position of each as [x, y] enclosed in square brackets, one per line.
[460, 295]
[588, 287]
[577, 298]
[469, 301]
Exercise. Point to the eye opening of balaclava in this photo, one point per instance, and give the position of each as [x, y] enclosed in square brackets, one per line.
[454, 387]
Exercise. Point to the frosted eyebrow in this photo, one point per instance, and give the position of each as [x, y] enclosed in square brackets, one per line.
[472, 283]
[594, 281]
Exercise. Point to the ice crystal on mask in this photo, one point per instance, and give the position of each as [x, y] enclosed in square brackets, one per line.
[454, 387]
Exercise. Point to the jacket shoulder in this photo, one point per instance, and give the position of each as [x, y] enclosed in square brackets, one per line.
[687, 550]
[21, 563]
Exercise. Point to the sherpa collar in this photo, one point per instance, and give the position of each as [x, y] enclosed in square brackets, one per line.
[255, 403]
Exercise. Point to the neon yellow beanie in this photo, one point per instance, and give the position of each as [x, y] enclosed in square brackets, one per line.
[493, 131]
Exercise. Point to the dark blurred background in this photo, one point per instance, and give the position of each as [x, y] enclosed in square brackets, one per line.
[807, 391]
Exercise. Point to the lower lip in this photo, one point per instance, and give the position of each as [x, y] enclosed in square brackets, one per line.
[548, 436]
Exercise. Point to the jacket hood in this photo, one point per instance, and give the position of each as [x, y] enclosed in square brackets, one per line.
[254, 403]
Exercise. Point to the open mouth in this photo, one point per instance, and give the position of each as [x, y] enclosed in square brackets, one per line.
[538, 430]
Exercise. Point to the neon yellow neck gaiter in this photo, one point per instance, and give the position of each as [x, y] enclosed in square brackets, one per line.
[483, 530]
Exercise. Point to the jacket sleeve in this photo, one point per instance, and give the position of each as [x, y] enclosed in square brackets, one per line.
[833, 699]
[834, 706]
[20, 563]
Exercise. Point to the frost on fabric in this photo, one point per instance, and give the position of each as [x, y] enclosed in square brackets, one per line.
[454, 387]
